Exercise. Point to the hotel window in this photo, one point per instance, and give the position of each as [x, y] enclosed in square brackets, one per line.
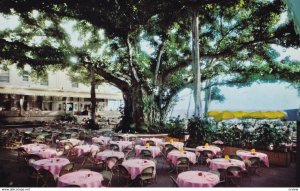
[75, 84]
[25, 78]
[4, 76]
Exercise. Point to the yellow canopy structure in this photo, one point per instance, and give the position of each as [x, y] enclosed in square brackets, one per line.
[225, 115]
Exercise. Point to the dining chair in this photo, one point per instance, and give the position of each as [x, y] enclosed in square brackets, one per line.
[31, 158]
[254, 165]
[182, 163]
[147, 176]
[237, 157]
[151, 142]
[67, 169]
[146, 154]
[233, 175]
[114, 147]
[123, 173]
[203, 156]
[111, 163]
[68, 149]
[47, 178]
[32, 174]
[21, 154]
[107, 177]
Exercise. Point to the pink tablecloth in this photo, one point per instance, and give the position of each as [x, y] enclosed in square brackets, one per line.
[47, 153]
[54, 165]
[102, 140]
[136, 166]
[34, 147]
[197, 179]
[155, 150]
[108, 153]
[175, 154]
[221, 163]
[122, 144]
[73, 141]
[82, 178]
[246, 155]
[178, 145]
[81, 149]
[157, 141]
[214, 149]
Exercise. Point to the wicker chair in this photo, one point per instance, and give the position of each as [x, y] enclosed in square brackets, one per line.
[47, 178]
[173, 181]
[67, 169]
[107, 176]
[233, 175]
[182, 163]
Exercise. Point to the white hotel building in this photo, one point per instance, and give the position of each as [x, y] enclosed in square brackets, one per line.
[20, 96]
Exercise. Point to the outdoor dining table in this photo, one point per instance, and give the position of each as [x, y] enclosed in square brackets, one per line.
[247, 154]
[122, 144]
[34, 147]
[212, 148]
[157, 141]
[197, 179]
[178, 145]
[109, 153]
[54, 165]
[175, 154]
[103, 140]
[47, 153]
[222, 163]
[73, 141]
[82, 178]
[136, 166]
[126, 137]
[155, 150]
[81, 149]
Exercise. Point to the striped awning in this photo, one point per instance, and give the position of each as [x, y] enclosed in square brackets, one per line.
[58, 93]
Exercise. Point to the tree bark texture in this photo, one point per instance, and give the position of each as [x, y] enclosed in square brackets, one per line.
[93, 94]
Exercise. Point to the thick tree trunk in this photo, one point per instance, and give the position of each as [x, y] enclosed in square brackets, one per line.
[93, 94]
[133, 111]
[196, 65]
[138, 108]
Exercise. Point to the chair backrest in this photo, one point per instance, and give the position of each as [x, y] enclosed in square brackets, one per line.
[255, 161]
[233, 170]
[174, 183]
[146, 153]
[132, 138]
[235, 157]
[110, 162]
[207, 153]
[182, 161]
[47, 178]
[147, 171]
[167, 146]
[123, 171]
[114, 147]
[66, 169]
[151, 142]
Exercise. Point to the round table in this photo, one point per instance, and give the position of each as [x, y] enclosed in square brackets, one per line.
[34, 147]
[82, 178]
[178, 145]
[109, 153]
[47, 153]
[54, 165]
[214, 149]
[74, 142]
[197, 179]
[175, 154]
[247, 154]
[102, 140]
[221, 163]
[122, 144]
[81, 149]
[157, 141]
[155, 150]
[136, 166]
